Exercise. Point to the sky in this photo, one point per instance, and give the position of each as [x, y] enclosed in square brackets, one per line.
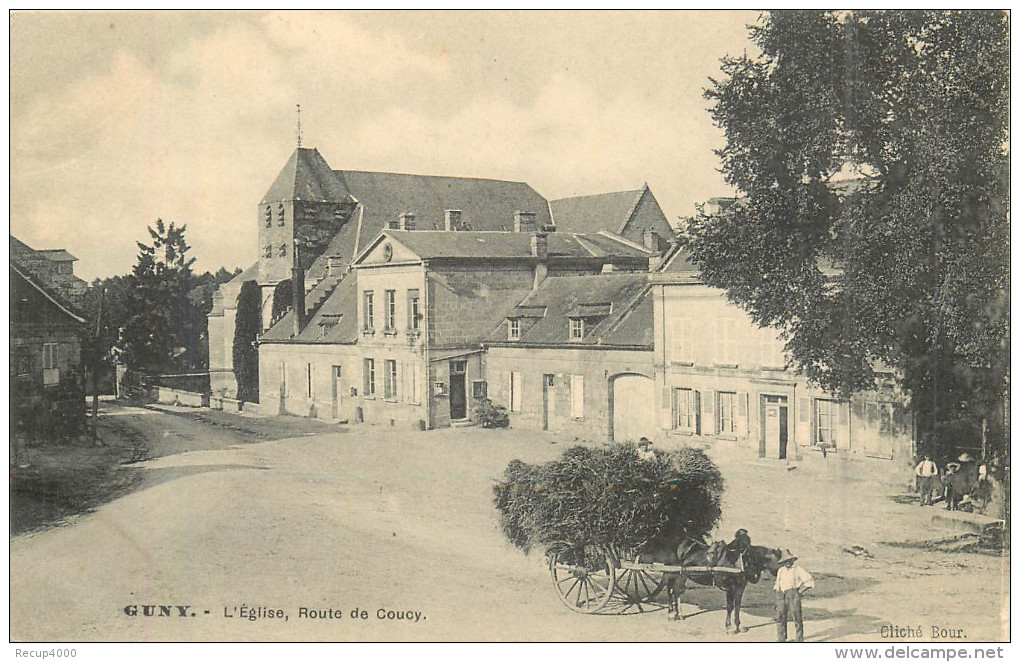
[118, 119]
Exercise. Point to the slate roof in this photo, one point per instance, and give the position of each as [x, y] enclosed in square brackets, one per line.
[57, 255]
[338, 316]
[40, 269]
[677, 261]
[616, 308]
[307, 176]
[608, 212]
[433, 244]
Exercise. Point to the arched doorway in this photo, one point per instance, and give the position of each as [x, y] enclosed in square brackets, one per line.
[632, 407]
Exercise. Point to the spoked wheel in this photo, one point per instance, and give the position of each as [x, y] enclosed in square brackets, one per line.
[639, 586]
[585, 579]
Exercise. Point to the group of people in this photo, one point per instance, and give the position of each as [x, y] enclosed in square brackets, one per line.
[959, 479]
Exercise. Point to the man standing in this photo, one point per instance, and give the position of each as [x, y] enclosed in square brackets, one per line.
[792, 582]
[926, 471]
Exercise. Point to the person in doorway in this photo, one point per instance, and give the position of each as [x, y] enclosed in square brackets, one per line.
[926, 471]
[792, 582]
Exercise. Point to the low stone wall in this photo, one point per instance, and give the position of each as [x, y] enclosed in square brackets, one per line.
[173, 396]
[250, 407]
[224, 404]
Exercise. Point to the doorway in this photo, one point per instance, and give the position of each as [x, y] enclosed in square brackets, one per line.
[632, 408]
[775, 430]
[337, 392]
[458, 390]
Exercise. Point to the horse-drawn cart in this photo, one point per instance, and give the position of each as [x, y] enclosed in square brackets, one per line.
[590, 580]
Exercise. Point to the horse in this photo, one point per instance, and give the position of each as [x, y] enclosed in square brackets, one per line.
[692, 553]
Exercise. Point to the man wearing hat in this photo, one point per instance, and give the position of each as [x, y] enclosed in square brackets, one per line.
[792, 582]
[926, 471]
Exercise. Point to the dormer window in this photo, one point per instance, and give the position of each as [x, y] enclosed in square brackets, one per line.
[513, 329]
[576, 329]
[269, 216]
[280, 215]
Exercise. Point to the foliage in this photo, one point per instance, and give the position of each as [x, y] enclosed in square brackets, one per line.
[247, 326]
[159, 334]
[608, 497]
[869, 151]
[283, 298]
[491, 415]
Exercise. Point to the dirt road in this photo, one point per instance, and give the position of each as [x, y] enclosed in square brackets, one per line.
[401, 524]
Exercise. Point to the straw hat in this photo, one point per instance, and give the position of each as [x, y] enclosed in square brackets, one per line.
[965, 457]
[644, 443]
[787, 557]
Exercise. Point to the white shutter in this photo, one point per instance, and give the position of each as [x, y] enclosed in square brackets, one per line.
[577, 396]
[515, 388]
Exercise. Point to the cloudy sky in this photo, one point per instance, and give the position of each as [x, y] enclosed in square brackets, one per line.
[117, 119]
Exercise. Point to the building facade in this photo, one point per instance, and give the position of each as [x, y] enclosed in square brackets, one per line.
[721, 378]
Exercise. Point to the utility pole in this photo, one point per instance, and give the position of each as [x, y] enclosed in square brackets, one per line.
[95, 371]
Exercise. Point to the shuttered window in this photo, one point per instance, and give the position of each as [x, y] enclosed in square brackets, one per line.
[515, 391]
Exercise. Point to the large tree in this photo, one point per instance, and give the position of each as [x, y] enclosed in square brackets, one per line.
[869, 152]
[161, 330]
[247, 326]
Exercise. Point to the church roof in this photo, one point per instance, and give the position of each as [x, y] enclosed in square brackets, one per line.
[607, 212]
[431, 244]
[307, 176]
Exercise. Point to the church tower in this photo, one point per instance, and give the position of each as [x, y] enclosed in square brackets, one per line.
[307, 205]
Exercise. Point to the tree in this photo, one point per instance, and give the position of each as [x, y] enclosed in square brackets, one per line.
[869, 152]
[283, 298]
[247, 325]
[160, 333]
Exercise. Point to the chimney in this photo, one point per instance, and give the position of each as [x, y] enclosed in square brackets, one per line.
[452, 220]
[651, 238]
[406, 221]
[524, 221]
[297, 282]
[540, 251]
[393, 224]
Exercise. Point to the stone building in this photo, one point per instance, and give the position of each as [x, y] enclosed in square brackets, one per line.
[721, 377]
[399, 341]
[575, 356]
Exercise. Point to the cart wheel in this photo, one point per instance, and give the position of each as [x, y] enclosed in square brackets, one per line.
[584, 579]
[639, 586]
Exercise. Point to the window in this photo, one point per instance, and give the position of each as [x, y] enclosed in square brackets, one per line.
[51, 374]
[309, 392]
[268, 252]
[576, 328]
[772, 351]
[683, 340]
[577, 396]
[49, 356]
[390, 380]
[413, 310]
[283, 250]
[369, 311]
[826, 414]
[269, 216]
[515, 391]
[390, 301]
[369, 386]
[514, 329]
[684, 409]
[478, 389]
[725, 341]
[280, 213]
[724, 412]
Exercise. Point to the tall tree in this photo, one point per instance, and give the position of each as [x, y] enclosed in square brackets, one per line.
[160, 331]
[247, 325]
[869, 151]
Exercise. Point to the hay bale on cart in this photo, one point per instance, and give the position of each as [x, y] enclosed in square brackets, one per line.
[595, 507]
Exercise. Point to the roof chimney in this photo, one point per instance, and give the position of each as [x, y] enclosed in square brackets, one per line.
[451, 222]
[406, 221]
[524, 221]
[540, 245]
[651, 239]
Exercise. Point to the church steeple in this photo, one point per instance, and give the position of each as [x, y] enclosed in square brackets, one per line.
[308, 202]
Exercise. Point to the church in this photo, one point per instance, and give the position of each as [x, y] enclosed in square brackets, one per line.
[405, 278]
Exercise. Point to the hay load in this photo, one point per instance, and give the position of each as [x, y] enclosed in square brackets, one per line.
[608, 497]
